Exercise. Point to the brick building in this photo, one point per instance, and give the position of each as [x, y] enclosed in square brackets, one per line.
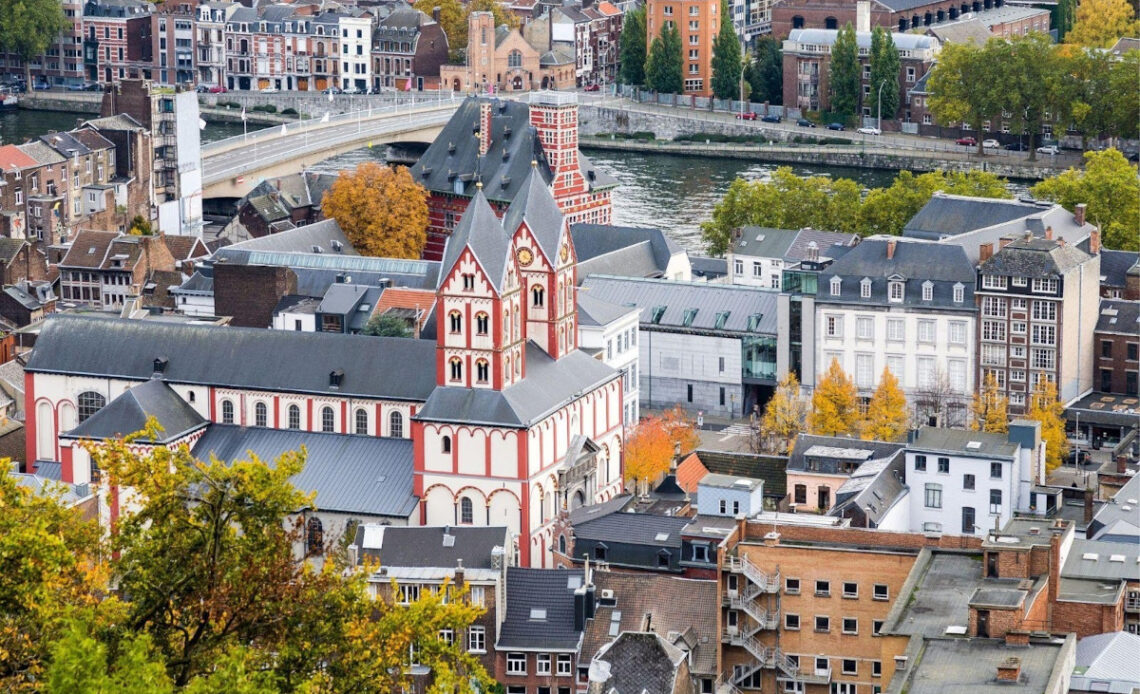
[698, 22]
[541, 633]
[104, 268]
[408, 45]
[1117, 344]
[501, 59]
[897, 15]
[175, 48]
[117, 40]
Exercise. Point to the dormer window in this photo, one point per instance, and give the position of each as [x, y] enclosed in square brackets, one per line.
[836, 286]
[896, 290]
[959, 293]
[865, 288]
[928, 291]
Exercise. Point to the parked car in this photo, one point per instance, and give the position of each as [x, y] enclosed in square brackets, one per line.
[78, 87]
[746, 115]
[592, 88]
[772, 118]
[869, 131]
[1017, 147]
[967, 141]
[805, 123]
[268, 90]
[350, 90]
[1049, 149]
[1084, 459]
[41, 86]
[217, 89]
[202, 89]
[990, 144]
[836, 126]
[333, 90]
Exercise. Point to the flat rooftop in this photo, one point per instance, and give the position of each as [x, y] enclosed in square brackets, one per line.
[1022, 532]
[729, 482]
[941, 598]
[969, 666]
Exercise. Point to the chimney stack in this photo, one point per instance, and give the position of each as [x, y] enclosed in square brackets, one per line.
[1009, 670]
[1079, 213]
[1121, 464]
[891, 248]
[1094, 242]
[1048, 233]
[484, 127]
[985, 252]
[863, 17]
[1088, 505]
[580, 608]
[435, 14]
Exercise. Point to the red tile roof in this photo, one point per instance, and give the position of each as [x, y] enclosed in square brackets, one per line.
[12, 158]
[690, 472]
[402, 297]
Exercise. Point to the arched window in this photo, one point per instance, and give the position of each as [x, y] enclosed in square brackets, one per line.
[455, 321]
[538, 298]
[797, 22]
[482, 371]
[227, 412]
[562, 544]
[314, 536]
[445, 444]
[294, 417]
[90, 402]
[902, 25]
[831, 23]
[260, 415]
[482, 320]
[396, 425]
[328, 419]
[514, 58]
[361, 421]
[456, 369]
[466, 511]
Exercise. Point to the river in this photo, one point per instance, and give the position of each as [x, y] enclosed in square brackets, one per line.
[673, 193]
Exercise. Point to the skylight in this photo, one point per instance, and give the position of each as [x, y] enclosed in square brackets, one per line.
[661, 537]
[974, 445]
[537, 614]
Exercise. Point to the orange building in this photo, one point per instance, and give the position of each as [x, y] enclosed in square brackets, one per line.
[698, 21]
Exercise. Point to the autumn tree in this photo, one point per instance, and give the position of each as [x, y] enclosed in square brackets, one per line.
[1044, 407]
[681, 428]
[382, 211]
[633, 47]
[29, 27]
[834, 404]
[886, 417]
[1109, 186]
[1099, 23]
[727, 61]
[844, 78]
[989, 411]
[663, 67]
[785, 415]
[884, 73]
[648, 452]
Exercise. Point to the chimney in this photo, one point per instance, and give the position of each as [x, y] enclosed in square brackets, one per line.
[484, 127]
[591, 603]
[460, 577]
[985, 252]
[1079, 213]
[1009, 670]
[435, 13]
[1017, 638]
[1089, 495]
[1094, 242]
[1121, 464]
[891, 248]
[1048, 233]
[580, 608]
[863, 16]
[1003, 242]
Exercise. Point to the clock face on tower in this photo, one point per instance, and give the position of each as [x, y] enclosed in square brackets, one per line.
[525, 256]
[564, 253]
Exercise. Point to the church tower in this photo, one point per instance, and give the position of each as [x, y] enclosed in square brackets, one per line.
[555, 116]
[480, 334]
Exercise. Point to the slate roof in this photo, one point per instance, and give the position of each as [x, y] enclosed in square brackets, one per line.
[594, 311]
[873, 488]
[41, 152]
[634, 528]
[481, 232]
[963, 31]
[915, 262]
[1109, 657]
[301, 240]
[771, 469]
[708, 268]
[551, 590]
[787, 244]
[374, 367]
[355, 302]
[826, 37]
[436, 547]
[604, 249]
[958, 441]
[23, 298]
[1034, 258]
[10, 247]
[549, 385]
[827, 454]
[681, 610]
[92, 139]
[365, 475]
[1114, 266]
[119, 121]
[637, 662]
[45, 484]
[65, 144]
[1119, 317]
[1103, 560]
[711, 301]
[535, 206]
[130, 411]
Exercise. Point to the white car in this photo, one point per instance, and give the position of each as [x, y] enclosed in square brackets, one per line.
[869, 131]
[268, 90]
[990, 144]
[1049, 149]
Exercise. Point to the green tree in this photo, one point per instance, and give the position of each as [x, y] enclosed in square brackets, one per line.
[787, 201]
[727, 61]
[633, 42]
[834, 404]
[1124, 83]
[1108, 185]
[80, 663]
[1030, 81]
[886, 417]
[887, 210]
[766, 72]
[1099, 23]
[884, 73]
[964, 85]
[1061, 17]
[845, 76]
[28, 28]
[386, 325]
[663, 69]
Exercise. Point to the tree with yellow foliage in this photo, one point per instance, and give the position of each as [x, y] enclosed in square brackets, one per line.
[1101, 22]
[648, 452]
[834, 404]
[990, 409]
[382, 211]
[886, 417]
[786, 413]
[681, 428]
[1044, 407]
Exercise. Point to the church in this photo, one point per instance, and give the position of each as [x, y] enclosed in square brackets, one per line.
[498, 420]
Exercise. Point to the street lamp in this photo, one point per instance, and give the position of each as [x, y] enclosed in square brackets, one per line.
[879, 108]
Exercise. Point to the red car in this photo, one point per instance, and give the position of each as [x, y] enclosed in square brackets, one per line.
[592, 88]
[747, 115]
[217, 90]
[967, 141]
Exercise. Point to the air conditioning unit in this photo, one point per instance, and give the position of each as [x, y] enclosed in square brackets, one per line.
[607, 594]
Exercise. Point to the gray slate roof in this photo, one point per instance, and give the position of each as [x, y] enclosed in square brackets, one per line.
[634, 528]
[594, 311]
[535, 206]
[435, 547]
[604, 249]
[916, 262]
[285, 361]
[551, 590]
[709, 300]
[1114, 265]
[549, 385]
[787, 244]
[1034, 258]
[130, 411]
[1103, 567]
[301, 240]
[481, 232]
[638, 662]
[1119, 316]
[1108, 657]
[950, 215]
[364, 475]
[825, 454]
[958, 441]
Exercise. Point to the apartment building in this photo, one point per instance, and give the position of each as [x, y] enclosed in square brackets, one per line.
[210, 27]
[174, 43]
[408, 45]
[62, 62]
[610, 332]
[355, 50]
[698, 22]
[102, 269]
[1038, 301]
[758, 256]
[820, 466]
[1117, 344]
[117, 40]
[89, 161]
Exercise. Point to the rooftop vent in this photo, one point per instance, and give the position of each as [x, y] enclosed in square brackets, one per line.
[336, 377]
[160, 364]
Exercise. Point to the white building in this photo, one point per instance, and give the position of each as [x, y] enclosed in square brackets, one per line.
[355, 52]
[968, 482]
[728, 495]
[907, 306]
[759, 255]
[611, 333]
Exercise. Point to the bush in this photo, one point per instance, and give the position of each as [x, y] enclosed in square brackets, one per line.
[265, 108]
[642, 135]
[721, 138]
[289, 112]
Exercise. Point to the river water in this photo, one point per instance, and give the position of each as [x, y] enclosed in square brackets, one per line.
[670, 192]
